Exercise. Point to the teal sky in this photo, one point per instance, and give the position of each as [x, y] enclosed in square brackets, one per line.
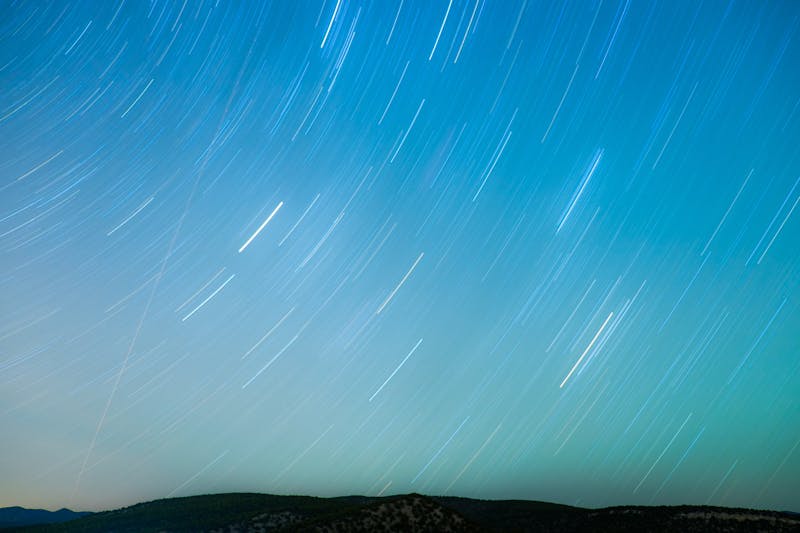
[479, 248]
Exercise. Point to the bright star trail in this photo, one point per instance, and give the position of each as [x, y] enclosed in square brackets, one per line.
[226, 227]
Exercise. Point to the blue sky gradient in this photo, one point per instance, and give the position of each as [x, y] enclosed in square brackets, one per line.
[479, 248]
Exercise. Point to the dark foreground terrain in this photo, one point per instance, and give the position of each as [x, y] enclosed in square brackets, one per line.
[19, 516]
[231, 513]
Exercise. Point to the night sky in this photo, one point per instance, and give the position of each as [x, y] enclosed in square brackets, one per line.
[497, 249]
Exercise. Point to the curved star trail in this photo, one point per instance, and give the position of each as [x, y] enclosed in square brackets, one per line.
[226, 227]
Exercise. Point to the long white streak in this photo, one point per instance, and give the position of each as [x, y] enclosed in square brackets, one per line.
[563, 97]
[721, 481]
[389, 38]
[391, 295]
[27, 325]
[263, 224]
[414, 349]
[209, 465]
[275, 358]
[577, 424]
[464, 39]
[155, 286]
[40, 215]
[589, 33]
[613, 38]
[677, 122]
[28, 101]
[131, 216]
[721, 222]
[299, 220]
[408, 130]
[201, 289]
[137, 99]
[386, 110]
[266, 336]
[575, 310]
[324, 238]
[377, 249]
[496, 159]
[680, 461]
[40, 165]
[142, 318]
[113, 18]
[596, 335]
[620, 317]
[516, 25]
[444, 21]
[384, 488]
[475, 456]
[299, 457]
[662, 453]
[78, 39]
[780, 467]
[776, 233]
[440, 450]
[335, 11]
[131, 294]
[178, 18]
[578, 195]
[204, 302]
[771, 222]
[310, 109]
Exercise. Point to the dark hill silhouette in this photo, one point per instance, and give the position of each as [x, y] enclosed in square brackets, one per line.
[19, 516]
[246, 512]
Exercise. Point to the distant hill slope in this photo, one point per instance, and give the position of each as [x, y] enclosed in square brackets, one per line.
[208, 512]
[19, 516]
[232, 513]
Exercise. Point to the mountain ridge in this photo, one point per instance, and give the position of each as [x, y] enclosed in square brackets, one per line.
[254, 512]
[16, 516]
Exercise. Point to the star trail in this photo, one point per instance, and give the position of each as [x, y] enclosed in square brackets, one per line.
[496, 249]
